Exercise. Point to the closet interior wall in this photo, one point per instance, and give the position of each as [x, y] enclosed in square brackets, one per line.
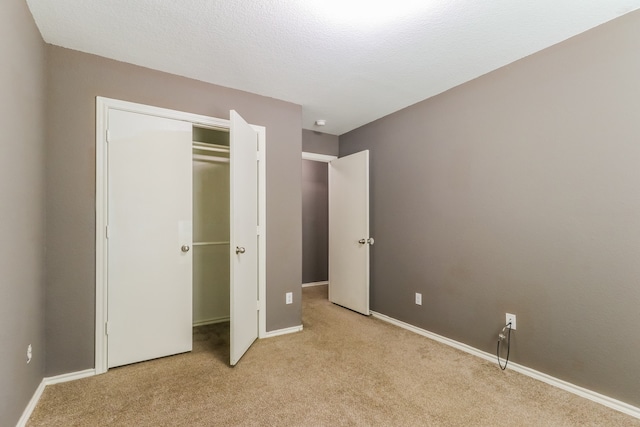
[211, 216]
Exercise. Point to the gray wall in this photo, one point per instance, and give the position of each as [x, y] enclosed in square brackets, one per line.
[520, 192]
[319, 143]
[21, 208]
[315, 221]
[74, 80]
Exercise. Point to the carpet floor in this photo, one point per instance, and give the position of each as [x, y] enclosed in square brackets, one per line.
[344, 369]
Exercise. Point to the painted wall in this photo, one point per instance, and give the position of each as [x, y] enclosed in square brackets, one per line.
[319, 143]
[22, 120]
[520, 192]
[315, 221]
[74, 80]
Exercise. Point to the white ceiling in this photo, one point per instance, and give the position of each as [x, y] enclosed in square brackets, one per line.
[347, 69]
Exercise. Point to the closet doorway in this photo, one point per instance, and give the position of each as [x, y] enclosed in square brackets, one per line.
[146, 207]
[211, 234]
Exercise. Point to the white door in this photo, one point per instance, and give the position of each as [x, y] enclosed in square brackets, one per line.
[349, 239]
[244, 236]
[149, 237]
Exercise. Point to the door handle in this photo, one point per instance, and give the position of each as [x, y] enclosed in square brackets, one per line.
[240, 250]
[185, 248]
[364, 241]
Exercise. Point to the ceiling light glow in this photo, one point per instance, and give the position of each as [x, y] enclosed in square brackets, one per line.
[365, 13]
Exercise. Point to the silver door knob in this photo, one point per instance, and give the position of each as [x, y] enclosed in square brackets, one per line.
[370, 241]
[185, 248]
[240, 250]
[364, 241]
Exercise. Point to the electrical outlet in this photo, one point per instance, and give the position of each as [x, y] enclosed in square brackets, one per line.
[418, 298]
[511, 318]
[289, 297]
[29, 353]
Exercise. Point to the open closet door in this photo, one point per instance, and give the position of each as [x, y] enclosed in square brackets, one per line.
[244, 236]
[349, 239]
[148, 237]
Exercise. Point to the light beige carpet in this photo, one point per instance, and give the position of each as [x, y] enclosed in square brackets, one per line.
[343, 369]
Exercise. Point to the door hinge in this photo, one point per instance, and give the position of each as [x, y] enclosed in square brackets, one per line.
[258, 230]
[106, 328]
[258, 305]
[107, 232]
[108, 136]
[257, 155]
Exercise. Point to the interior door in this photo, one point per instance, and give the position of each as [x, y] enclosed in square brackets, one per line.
[244, 236]
[349, 239]
[149, 237]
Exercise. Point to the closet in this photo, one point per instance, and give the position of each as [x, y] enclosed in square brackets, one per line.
[211, 199]
[180, 208]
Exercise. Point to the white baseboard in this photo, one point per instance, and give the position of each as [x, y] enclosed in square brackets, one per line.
[49, 381]
[71, 376]
[211, 321]
[31, 406]
[308, 285]
[540, 376]
[284, 331]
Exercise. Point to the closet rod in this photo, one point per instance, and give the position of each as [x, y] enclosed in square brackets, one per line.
[209, 144]
[210, 147]
[211, 159]
[209, 243]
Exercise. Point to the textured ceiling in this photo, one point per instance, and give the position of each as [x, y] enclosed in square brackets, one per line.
[347, 64]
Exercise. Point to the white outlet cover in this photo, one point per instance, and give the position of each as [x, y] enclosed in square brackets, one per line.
[511, 318]
[418, 298]
[289, 297]
[29, 353]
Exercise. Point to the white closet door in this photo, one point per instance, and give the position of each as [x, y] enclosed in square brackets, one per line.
[149, 237]
[349, 239]
[244, 236]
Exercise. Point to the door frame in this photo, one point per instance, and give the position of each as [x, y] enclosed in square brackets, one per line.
[103, 105]
[320, 158]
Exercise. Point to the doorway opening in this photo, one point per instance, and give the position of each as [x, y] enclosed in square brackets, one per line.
[211, 234]
[347, 230]
[315, 222]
